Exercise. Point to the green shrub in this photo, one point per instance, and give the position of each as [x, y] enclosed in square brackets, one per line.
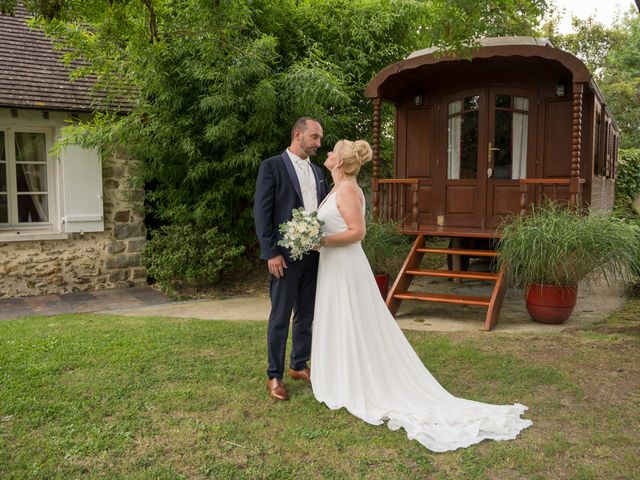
[627, 178]
[633, 286]
[183, 255]
[627, 188]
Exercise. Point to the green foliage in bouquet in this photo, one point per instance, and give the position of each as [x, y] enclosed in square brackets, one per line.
[188, 254]
[385, 247]
[554, 245]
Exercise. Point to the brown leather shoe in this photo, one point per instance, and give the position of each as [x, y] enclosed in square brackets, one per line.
[304, 374]
[276, 389]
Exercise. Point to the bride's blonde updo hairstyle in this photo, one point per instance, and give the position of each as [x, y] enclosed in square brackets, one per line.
[354, 155]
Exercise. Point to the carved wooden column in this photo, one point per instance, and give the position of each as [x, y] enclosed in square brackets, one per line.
[576, 143]
[414, 206]
[376, 158]
[523, 198]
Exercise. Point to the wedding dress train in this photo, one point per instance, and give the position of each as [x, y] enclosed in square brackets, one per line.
[361, 360]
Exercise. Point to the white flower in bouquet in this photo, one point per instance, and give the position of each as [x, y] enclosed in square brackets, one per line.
[302, 233]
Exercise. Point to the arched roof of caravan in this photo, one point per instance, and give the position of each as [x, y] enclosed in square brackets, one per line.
[391, 82]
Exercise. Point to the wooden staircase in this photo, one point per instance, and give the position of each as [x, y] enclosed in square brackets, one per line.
[411, 269]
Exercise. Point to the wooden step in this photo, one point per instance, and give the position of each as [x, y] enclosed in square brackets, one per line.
[411, 269]
[456, 251]
[444, 298]
[423, 272]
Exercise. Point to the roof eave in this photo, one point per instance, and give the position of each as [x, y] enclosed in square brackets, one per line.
[578, 69]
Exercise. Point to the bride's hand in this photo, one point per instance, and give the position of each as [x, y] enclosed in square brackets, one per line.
[319, 246]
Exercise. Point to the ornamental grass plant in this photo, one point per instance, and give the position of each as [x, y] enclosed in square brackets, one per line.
[385, 247]
[555, 245]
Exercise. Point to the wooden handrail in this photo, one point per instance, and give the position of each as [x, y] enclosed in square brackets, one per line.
[406, 181]
[575, 190]
[548, 181]
[389, 199]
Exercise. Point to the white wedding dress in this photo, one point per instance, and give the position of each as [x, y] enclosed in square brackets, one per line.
[361, 360]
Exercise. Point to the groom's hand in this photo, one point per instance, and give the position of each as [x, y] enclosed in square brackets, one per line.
[276, 266]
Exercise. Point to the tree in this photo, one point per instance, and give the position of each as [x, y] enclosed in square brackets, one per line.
[621, 80]
[214, 86]
[590, 41]
[613, 56]
[47, 8]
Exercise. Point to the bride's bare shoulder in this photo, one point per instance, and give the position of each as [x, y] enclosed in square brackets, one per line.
[348, 189]
[348, 192]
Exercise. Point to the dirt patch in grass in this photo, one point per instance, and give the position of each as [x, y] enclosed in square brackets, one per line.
[606, 369]
[626, 330]
[252, 281]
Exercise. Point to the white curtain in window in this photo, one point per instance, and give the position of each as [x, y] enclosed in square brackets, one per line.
[454, 137]
[520, 128]
[29, 150]
[31, 174]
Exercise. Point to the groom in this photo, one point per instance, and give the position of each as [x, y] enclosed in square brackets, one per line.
[285, 182]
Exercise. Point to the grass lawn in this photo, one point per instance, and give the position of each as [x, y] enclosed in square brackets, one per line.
[94, 396]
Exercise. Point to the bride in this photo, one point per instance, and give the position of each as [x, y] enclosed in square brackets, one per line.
[360, 358]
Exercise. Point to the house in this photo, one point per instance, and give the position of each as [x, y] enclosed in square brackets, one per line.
[481, 138]
[69, 222]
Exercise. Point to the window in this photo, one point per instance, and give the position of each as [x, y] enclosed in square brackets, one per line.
[597, 163]
[511, 135]
[462, 146]
[25, 179]
[609, 151]
[614, 161]
[604, 164]
[42, 197]
[4, 191]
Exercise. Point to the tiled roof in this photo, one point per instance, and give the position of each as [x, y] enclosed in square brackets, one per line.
[31, 73]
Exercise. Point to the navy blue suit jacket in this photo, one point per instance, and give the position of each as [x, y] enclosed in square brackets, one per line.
[277, 194]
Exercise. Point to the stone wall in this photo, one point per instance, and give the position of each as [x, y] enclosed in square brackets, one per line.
[90, 261]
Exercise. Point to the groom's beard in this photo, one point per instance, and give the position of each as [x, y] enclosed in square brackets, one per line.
[310, 150]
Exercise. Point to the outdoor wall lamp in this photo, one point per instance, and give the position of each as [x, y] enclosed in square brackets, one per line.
[418, 99]
[561, 88]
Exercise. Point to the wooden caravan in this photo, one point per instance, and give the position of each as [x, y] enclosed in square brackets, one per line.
[477, 139]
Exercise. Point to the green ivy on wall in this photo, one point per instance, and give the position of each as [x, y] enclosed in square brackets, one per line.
[628, 176]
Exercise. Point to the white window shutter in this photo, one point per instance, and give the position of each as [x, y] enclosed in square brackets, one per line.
[81, 190]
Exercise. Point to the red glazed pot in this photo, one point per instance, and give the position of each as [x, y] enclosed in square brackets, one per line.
[551, 303]
[383, 284]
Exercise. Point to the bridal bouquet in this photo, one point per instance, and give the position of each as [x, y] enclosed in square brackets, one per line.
[302, 233]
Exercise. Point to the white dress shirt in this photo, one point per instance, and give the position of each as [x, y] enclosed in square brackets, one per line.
[307, 181]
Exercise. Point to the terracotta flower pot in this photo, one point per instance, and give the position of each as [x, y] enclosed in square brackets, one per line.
[383, 284]
[551, 303]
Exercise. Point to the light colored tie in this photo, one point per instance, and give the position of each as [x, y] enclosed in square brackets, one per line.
[307, 185]
[305, 168]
